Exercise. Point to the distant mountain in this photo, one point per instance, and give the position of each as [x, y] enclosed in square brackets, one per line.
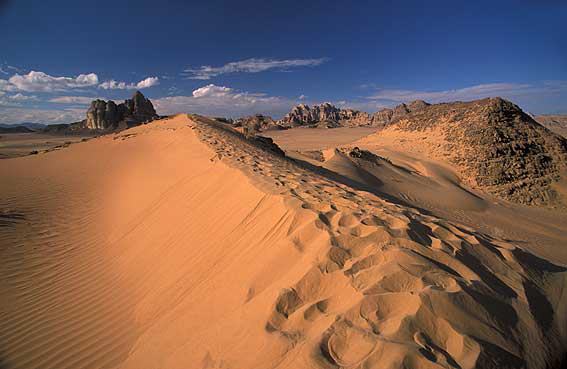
[29, 125]
[325, 115]
[555, 122]
[329, 116]
[15, 129]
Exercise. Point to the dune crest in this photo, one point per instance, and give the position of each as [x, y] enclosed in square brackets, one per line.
[181, 244]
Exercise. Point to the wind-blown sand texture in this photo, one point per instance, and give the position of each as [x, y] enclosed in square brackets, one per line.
[21, 144]
[179, 244]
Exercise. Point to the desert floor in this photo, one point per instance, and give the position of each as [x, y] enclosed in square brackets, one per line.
[179, 244]
[21, 144]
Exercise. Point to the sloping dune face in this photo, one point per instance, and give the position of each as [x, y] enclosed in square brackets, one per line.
[181, 245]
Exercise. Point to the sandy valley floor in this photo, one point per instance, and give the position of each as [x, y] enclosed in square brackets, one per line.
[20, 144]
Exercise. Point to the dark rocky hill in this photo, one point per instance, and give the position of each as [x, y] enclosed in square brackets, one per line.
[497, 147]
[255, 123]
[15, 129]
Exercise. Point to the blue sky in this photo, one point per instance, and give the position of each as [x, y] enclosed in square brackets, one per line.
[230, 58]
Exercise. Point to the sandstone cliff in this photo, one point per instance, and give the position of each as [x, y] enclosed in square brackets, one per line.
[105, 115]
[324, 115]
[329, 116]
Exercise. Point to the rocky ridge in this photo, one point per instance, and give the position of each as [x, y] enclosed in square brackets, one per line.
[327, 115]
[255, 123]
[497, 147]
[324, 115]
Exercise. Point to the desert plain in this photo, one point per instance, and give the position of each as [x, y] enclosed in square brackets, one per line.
[183, 244]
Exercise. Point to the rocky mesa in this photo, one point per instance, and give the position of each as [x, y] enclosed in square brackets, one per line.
[103, 115]
[109, 116]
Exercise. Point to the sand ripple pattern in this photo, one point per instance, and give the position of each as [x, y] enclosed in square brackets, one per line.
[397, 288]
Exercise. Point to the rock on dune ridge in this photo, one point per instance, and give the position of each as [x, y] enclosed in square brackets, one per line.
[200, 249]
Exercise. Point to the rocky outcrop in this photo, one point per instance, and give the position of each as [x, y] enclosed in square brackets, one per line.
[497, 147]
[329, 116]
[385, 117]
[103, 115]
[324, 115]
[139, 108]
[255, 123]
[106, 115]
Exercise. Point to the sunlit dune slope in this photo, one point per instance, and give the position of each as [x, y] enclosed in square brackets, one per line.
[179, 244]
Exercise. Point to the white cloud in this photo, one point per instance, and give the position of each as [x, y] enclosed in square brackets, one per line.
[19, 115]
[5, 86]
[148, 82]
[253, 65]
[114, 85]
[467, 93]
[73, 99]
[212, 91]
[21, 97]
[5, 69]
[216, 100]
[367, 106]
[39, 81]
[220, 100]
[302, 97]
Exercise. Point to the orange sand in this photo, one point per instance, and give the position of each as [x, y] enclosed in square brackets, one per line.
[178, 244]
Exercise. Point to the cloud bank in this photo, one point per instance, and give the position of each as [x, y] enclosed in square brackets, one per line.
[253, 65]
[36, 81]
[221, 100]
[43, 82]
[507, 90]
[74, 99]
[145, 83]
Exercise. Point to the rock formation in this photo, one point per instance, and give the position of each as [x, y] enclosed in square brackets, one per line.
[329, 116]
[386, 116]
[324, 115]
[496, 146]
[104, 115]
[255, 123]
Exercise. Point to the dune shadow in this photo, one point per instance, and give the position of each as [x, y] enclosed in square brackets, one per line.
[534, 262]
[9, 218]
[356, 185]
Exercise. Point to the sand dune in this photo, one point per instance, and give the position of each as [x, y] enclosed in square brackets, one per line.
[179, 244]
